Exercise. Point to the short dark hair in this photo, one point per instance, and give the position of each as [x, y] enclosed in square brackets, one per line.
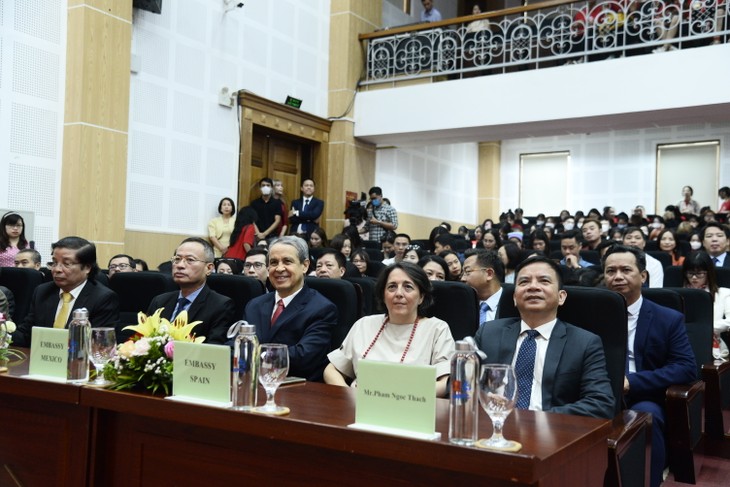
[308, 179]
[444, 239]
[207, 248]
[339, 257]
[258, 251]
[576, 234]
[35, 255]
[141, 262]
[220, 205]
[714, 225]
[85, 252]
[377, 190]
[419, 277]
[130, 259]
[488, 259]
[537, 258]
[402, 235]
[639, 255]
[388, 236]
[266, 180]
[629, 230]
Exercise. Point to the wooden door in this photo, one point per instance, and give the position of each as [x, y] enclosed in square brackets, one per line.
[276, 158]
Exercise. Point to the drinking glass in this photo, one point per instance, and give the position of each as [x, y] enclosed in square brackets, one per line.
[272, 372]
[497, 395]
[103, 347]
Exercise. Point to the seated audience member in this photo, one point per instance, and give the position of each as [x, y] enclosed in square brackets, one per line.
[510, 255]
[659, 353]
[400, 244]
[318, 239]
[515, 238]
[28, 259]
[492, 240]
[570, 364]
[413, 254]
[331, 264]
[121, 263]
[714, 238]
[464, 232]
[477, 235]
[591, 234]
[7, 303]
[452, 260]
[386, 245]
[294, 315]
[353, 235]
[442, 243]
[634, 237]
[668, 243]
[699, 273]
[342, 244]
[191, 266]
[484, 272]
[404, 334]
[256, 265]
[435, 267]
[140, 265]
[584, 277]
[74, 286]
[540, 242]
[243, 235]
[605, 245]
[570, 245]
[228, 266]
[360, 259]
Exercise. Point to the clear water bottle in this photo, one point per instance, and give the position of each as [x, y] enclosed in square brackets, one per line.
[79, 342]
[245, 377]
[464, 397]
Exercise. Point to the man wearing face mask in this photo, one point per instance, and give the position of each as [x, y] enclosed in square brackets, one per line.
[381, 216]
[268, 210]
[569, 224]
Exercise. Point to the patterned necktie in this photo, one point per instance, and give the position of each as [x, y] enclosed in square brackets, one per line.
[524, 369]
[483, 308]
[62, 316]
[181, 303]
[277, 313]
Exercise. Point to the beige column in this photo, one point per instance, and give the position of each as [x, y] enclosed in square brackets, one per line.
[351, 165]
[490, 161]
[95, 139]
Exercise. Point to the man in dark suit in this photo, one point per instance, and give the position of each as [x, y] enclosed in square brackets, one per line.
[658, 350]
[295, 315]
[714, 238]
[567, 366]
[191, 265]
[484, 272]
[306, 211]
[74, 286]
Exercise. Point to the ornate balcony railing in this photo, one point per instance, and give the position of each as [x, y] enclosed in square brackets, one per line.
[542, 35]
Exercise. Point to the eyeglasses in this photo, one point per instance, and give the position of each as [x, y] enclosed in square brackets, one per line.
[697, 274]
[256, 265]
[119, 267]
[65, 265]
[188, 260]
[467, 272]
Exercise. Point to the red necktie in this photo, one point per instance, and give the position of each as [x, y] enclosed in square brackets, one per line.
[277, 313]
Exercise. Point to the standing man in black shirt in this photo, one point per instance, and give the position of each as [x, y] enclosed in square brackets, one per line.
[268, 210]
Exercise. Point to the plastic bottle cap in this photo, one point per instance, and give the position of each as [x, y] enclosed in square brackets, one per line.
[81, 313]
[247, 329]
[462, 346]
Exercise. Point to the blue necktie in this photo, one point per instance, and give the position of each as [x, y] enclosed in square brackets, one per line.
[524, 369]
[181, 303]
[716, 261]
[483, 308]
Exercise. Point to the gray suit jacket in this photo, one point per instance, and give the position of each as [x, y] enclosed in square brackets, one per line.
[574, 378]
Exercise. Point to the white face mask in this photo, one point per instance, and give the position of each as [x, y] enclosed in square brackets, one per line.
[656, 225]
[695, 245]
[550, 225]
[266, 190]
[604, 228]
[568, 226]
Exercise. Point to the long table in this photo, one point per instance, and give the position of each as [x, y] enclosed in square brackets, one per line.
[75, 435]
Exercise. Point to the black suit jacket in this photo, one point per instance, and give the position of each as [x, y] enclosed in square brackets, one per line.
[306, 218]
[102, 303]
[214, 310]
[574, 379]
[304, 326]
[726, 262]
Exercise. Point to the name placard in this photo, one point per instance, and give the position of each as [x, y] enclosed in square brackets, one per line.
[202, 372]
[396, 399]
[48, 352]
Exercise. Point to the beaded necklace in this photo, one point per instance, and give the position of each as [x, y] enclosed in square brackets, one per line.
[380, 331]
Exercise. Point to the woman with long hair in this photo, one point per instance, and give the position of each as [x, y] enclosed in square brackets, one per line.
[244, 234]
[12, 238]
[668, 243]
